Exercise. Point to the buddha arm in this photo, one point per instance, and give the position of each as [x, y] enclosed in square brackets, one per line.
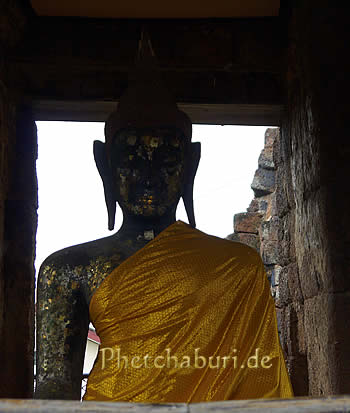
[62, 327]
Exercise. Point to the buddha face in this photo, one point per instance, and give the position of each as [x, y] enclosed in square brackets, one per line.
[148, 169]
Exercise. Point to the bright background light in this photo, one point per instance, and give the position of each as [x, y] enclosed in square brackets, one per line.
[71, 200]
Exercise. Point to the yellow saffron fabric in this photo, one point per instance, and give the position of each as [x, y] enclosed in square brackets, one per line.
[188, 318]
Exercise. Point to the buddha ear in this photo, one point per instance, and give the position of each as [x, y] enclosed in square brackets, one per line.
[106, 176]
[192, 161]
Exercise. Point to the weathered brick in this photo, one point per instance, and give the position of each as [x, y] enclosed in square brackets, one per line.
[270, 136]
[265, 160]
[250, 239]
[269, 252]
[247, 222]
[263, 182]
[253, 206]
[269, 229]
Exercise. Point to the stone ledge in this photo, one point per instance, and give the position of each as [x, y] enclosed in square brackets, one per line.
[334, 404]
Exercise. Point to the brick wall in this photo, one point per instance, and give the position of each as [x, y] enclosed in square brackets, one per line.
[18, 216]
[268, 227]
[308, 264]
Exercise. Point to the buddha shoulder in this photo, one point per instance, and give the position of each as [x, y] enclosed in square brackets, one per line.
[83, 266]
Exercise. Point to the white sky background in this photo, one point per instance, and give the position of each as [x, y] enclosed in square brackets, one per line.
[72, 208]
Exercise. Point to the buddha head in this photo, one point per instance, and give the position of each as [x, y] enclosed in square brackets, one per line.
[148, 161]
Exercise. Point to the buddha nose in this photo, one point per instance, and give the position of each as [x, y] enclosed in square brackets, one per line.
[150, 175]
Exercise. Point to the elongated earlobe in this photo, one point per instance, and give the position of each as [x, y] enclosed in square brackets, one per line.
[106, 176]
[192, 166]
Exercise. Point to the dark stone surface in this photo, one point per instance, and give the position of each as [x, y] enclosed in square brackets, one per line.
[269, 229]
[286, 244]
[253, 206]
[263, 182]
[263, 204]
[18, 203]
[266, 159]
[14, 17]
[269, 252]
[20, 214]
[312, 200]
[271, 135]
[250, 239]
[293, 283]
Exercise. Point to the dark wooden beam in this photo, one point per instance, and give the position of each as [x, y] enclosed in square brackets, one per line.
[14, 18]
[199, 113]
[221, 61]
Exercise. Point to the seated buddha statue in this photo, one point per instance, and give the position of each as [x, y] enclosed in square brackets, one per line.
[182, 316]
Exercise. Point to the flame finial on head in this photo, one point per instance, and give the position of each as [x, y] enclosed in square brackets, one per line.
[146, 103]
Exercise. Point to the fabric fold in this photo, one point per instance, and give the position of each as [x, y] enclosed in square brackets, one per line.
[188, 318]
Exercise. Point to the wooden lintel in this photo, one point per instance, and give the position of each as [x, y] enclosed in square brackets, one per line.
[221, 114]
[219, 61]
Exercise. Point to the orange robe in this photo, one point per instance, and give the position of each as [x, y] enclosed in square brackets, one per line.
[188, 318]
